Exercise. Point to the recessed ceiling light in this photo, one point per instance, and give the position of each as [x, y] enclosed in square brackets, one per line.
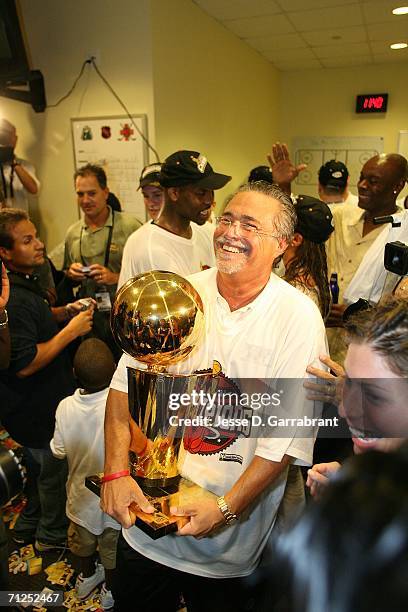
[399, 46]
[401, 10]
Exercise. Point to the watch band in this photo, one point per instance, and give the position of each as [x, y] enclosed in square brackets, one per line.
[229, 516]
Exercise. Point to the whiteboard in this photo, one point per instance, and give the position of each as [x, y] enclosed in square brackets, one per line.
[403, 143]
[113, 143]
[403, 150]
[316, 151]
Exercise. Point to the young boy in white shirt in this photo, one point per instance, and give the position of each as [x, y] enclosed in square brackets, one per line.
[79, 436]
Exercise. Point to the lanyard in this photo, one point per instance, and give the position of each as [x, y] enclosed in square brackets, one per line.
[108, 244]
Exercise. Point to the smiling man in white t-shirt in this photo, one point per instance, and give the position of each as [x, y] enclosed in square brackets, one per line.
[177, 241]
[258, 327]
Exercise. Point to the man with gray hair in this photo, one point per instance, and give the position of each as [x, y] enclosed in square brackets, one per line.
[258, 327]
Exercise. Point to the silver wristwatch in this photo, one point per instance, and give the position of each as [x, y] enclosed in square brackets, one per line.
[229, 516]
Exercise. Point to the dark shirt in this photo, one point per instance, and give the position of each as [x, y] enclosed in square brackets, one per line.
[31, 402]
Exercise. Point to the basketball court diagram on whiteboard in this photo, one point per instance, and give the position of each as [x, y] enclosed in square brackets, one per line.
[315, 152]
[115, 144]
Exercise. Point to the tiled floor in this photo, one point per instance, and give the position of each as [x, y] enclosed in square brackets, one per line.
[22, 581]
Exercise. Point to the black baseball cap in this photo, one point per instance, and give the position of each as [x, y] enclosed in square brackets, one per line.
[314, 219]
[334, 174]
[190, 167]
[260, 173]
[150, 175]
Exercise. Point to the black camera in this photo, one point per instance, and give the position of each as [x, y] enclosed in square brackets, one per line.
[6, 154]
[396, 258]
[12, 475]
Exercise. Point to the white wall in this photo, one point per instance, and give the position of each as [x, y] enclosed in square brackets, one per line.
[61, 35]
[213, 93]
[322, 103]
[200, 86]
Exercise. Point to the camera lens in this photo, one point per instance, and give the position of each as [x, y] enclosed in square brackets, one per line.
[11, 475]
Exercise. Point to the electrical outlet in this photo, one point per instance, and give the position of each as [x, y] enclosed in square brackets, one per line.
[96, 55]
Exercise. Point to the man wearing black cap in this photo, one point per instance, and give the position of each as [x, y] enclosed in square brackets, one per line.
[333, 184]
[172, 242]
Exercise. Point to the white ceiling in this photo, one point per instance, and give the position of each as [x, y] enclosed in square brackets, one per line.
[301, 34]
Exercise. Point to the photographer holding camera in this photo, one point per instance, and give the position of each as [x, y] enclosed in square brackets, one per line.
[385, 264]
[17, 175]
[94, 248]
[38, 378]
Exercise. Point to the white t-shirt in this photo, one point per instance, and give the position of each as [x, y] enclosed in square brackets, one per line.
[371, 278]
[351, 199]
[20, 197]
[275, 336]
[154, 248]
[79, 436]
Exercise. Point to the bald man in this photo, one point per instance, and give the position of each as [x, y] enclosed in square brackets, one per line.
[18, 179]
[381, 180]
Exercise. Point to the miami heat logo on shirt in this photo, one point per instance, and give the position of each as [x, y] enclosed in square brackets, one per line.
[225, 416]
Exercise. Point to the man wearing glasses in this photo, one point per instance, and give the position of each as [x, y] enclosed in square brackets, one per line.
[258, 328]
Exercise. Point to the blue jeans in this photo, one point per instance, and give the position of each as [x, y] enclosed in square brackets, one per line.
[44, 516]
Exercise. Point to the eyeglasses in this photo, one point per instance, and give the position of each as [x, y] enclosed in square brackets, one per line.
[245, 229]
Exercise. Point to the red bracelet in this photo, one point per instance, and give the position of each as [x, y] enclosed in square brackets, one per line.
[115, 475]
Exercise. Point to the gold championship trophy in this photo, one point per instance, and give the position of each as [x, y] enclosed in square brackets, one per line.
[158, 319]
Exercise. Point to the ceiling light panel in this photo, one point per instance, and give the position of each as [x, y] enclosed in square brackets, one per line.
[401, 10]
[377, 11]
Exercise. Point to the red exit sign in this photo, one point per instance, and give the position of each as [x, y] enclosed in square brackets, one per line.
[372, 103]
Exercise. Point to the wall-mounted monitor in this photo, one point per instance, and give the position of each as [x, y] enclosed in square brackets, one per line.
[17, 81]
[13, 56]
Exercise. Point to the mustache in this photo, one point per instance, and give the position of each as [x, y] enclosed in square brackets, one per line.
[221, 240]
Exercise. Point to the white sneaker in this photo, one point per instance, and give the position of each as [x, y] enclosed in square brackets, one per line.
[84, 586]
[107, 601]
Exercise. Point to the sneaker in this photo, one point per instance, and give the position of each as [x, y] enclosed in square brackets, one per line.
[84, 586]
[22, 541]
[107, 601]
[49, 546]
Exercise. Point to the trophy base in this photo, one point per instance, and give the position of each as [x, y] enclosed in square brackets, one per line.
[158, 487]
[160, 522]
